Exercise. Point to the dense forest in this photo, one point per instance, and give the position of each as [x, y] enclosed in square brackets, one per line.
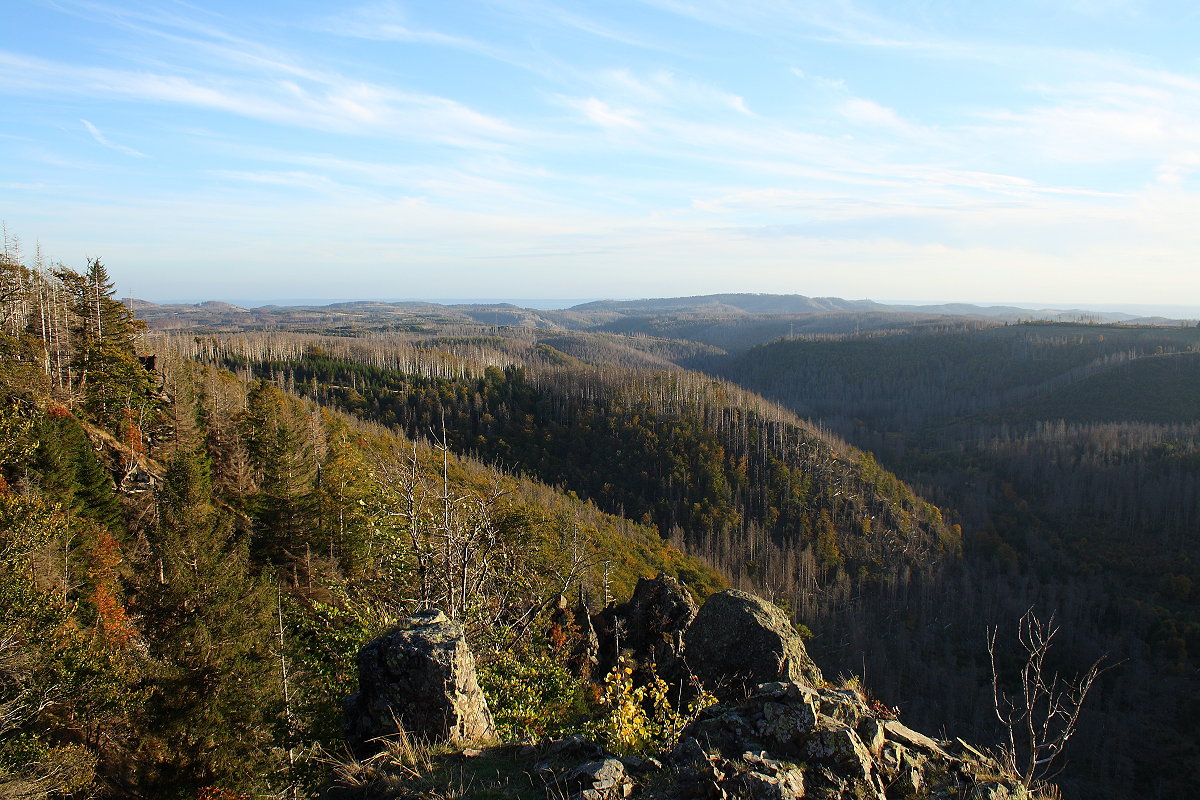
[202, 524]
[701, 460]
[190, 562]
[1071, 454]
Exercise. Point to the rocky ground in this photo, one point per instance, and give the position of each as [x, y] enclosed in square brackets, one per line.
[778, 730]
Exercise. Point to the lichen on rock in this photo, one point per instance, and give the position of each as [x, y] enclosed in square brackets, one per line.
[738, 641]
[419, 676]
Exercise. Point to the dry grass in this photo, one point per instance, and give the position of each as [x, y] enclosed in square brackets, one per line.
[1047, 791]
[404, 767]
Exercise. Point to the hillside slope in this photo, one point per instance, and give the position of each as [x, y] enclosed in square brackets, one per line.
[190, 561]
[747, 483]
[1072, 455]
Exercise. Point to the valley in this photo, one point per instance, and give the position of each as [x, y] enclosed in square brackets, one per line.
[901, 482]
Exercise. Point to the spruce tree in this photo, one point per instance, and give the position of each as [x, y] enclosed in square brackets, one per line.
[66, 470]
[283, 507]
[214, 699]
[114, 384]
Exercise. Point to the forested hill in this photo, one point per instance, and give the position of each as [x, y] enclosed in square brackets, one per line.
[1072, 454]
[731, 303]
[196, 544]
[927, 378]
[189, 563]
[771, 499]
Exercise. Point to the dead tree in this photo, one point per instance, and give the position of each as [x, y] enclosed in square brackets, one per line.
[1041, 714]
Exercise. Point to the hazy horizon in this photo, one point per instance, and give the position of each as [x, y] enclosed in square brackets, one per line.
[1170, 311]
[559, 149]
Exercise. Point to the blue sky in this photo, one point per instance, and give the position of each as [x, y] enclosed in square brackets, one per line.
[932, 150]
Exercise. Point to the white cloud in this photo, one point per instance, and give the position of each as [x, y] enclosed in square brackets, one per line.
[387, 21]
[540, 13]
[1149, 118]
[605, 115]
[333, 103]
[861, 111]
[1174, 170]
[666, 88]
[287, 179]
[103, 140]
[834, 20]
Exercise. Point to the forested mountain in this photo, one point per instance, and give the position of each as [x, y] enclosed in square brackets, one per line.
[1072, 454]
[202, 527]
[189, 562]
[734, 477]
[914, 380]
[739, 332]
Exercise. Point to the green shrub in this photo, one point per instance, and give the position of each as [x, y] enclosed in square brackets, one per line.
[531, 693]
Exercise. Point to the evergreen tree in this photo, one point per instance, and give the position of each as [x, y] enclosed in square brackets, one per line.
[214, 699]
[116, 388]
[65, 468]
[341, 498]
[281, 454]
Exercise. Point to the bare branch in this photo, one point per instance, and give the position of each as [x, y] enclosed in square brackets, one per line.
[1041, 714]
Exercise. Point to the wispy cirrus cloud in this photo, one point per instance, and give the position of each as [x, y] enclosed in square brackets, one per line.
[330, 103]
[841, 20]
[861, 111]
[605, 115]
[104, 140]
[1150, 116]
[388, 21]
[553, 15]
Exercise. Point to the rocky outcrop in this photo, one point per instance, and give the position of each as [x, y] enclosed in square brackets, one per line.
[603, 779]
[419, 676]
[781, 742]
[738, 641]
[657, 616]
[789, 737]
[649, 628]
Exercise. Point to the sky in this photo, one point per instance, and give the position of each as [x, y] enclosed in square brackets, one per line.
[936, 150]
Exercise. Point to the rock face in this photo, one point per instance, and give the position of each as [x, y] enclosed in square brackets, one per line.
[780, 733]
[658, 614]
[421, 675]
[783, 742]
[738, 641]
[649, 627]
[603, 779]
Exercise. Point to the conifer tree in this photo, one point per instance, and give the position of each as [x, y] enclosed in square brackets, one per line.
[111, 379]
[65, 468]
[277, 441]
[342, 496]
[213, 701]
